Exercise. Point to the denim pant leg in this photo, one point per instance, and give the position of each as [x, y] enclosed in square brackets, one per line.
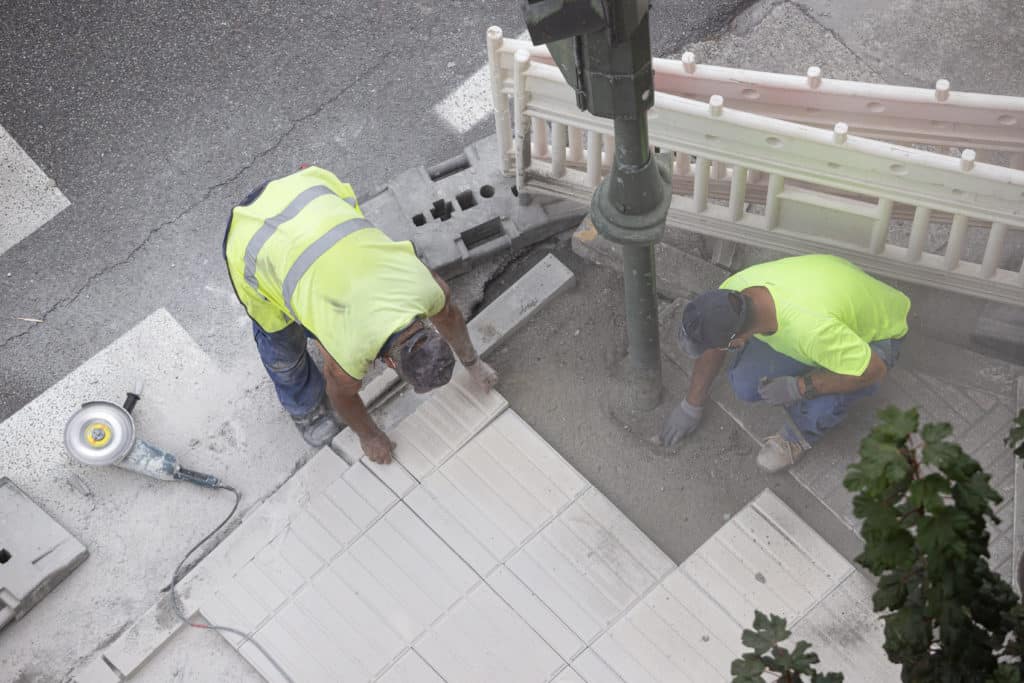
[296, 379]
[816, 416]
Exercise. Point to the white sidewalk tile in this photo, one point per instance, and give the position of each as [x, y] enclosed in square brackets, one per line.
[482, 639]
[594, 669]
[535, 613]
[410, 668]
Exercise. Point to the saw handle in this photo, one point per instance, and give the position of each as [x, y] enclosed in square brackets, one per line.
[130, 401]
[198, 478]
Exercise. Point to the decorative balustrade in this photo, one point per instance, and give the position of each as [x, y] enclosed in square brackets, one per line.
[772, 183]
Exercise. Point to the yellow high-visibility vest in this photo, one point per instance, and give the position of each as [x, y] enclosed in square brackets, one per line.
[303, 252]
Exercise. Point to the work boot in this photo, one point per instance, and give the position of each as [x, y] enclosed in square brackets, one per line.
[778, 453]
[319, 425]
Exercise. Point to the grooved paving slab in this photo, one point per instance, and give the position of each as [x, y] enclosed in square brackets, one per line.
[688, 628]
[30, 197]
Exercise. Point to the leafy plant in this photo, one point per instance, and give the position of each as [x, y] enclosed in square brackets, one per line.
[924, 505]
[791, 666]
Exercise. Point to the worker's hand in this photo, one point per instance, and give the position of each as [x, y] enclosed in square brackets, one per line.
[682, 422]
[780, 391]
[483, 374]
[378, 447]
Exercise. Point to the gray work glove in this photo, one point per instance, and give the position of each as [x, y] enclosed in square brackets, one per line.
[780, 391]
[683, 420]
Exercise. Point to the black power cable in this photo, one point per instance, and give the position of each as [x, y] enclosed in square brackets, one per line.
[180, 611]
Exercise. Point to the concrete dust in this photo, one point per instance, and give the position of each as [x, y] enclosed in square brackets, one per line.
[563, 373]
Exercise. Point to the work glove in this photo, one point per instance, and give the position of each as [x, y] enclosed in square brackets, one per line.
[378, 447]
[682, 422]
[780, 391]
[483, 374]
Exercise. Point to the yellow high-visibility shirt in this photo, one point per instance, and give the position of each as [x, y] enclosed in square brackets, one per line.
[828, 310]
[303, 252]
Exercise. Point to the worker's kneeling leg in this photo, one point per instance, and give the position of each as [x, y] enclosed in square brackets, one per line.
[756, 360]
[296, 379]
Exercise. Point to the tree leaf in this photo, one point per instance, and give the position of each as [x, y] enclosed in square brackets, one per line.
[927, 492]
[890, 594]
[895, 424]
[936, 431]
[747, 669]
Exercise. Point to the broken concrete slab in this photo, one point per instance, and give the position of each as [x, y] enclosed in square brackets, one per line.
[464, 210]
[212, 421]
[36, 553]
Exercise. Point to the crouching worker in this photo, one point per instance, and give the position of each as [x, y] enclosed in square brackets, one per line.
[305, 263]
[811, 333]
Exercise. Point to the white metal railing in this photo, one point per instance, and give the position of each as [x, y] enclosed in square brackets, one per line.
[940, 117]
[820, 190]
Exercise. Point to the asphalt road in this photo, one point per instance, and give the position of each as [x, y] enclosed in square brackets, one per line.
[154, 118]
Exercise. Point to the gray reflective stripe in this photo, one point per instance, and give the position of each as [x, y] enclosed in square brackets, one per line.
[314, 251]
[266, 231]
[351, 201]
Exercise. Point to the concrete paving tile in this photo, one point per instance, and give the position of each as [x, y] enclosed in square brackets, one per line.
[409, 530]
[322, 644]
[482, 639]
[352, 621]
[931, 405]
[313, 535]
[957, 397]
[260, 588]
[628, 665]
[352, 503]
[847, 634]
[695, 616]
[95, 671]
[567, 675]
[627, 534]
[454, 529]
[219, 612]
[259, 662]
[249, 613]
[375, 489]
[514, 430]
[985, 399]
[594, 669]
[31, 198]
[299, 555]
[329, 517]
[410, 668]
[277, 569]
[797, 532]
[535, 613]
[288, 648]
[495, 499]
[995, 425]
[393, 475]
[651, 642]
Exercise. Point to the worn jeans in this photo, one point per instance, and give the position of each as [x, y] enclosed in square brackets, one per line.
[297, 380]
[812, 417]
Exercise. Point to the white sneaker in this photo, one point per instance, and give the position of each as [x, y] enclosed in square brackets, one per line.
[778, 453]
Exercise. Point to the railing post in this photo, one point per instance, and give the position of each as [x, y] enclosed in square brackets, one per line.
[681, 167]
[558, 134]
[776, 183]
[522, 122]
[993, 249]
[593, 158]
[540, 136]
[918, 233]
[575, 144]
[499, 100]
[880, 231]
[700, 184]
[955, 245]
[737, 193]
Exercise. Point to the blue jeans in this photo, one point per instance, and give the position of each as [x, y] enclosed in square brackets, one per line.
[297, 380]
[816, 416]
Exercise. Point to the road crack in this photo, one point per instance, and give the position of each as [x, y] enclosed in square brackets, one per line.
[205, 196]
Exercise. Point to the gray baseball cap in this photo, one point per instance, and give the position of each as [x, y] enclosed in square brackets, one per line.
[425, 360]
[712, 320]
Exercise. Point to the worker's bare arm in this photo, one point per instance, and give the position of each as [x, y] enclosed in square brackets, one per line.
[452, 326]
[826, 382]
[343, 391]
[705, 369]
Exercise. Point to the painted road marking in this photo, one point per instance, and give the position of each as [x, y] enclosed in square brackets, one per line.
[30, 197]
[470, 103]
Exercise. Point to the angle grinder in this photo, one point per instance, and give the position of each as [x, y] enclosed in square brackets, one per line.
[103, 433]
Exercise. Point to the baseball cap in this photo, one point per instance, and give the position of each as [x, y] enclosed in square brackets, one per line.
[711, 321]
[425, 360]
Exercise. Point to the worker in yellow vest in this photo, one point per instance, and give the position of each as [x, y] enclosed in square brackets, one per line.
[812, 333]
[306, 263]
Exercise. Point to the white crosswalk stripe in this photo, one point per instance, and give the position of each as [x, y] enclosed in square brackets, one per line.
[30, 197]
